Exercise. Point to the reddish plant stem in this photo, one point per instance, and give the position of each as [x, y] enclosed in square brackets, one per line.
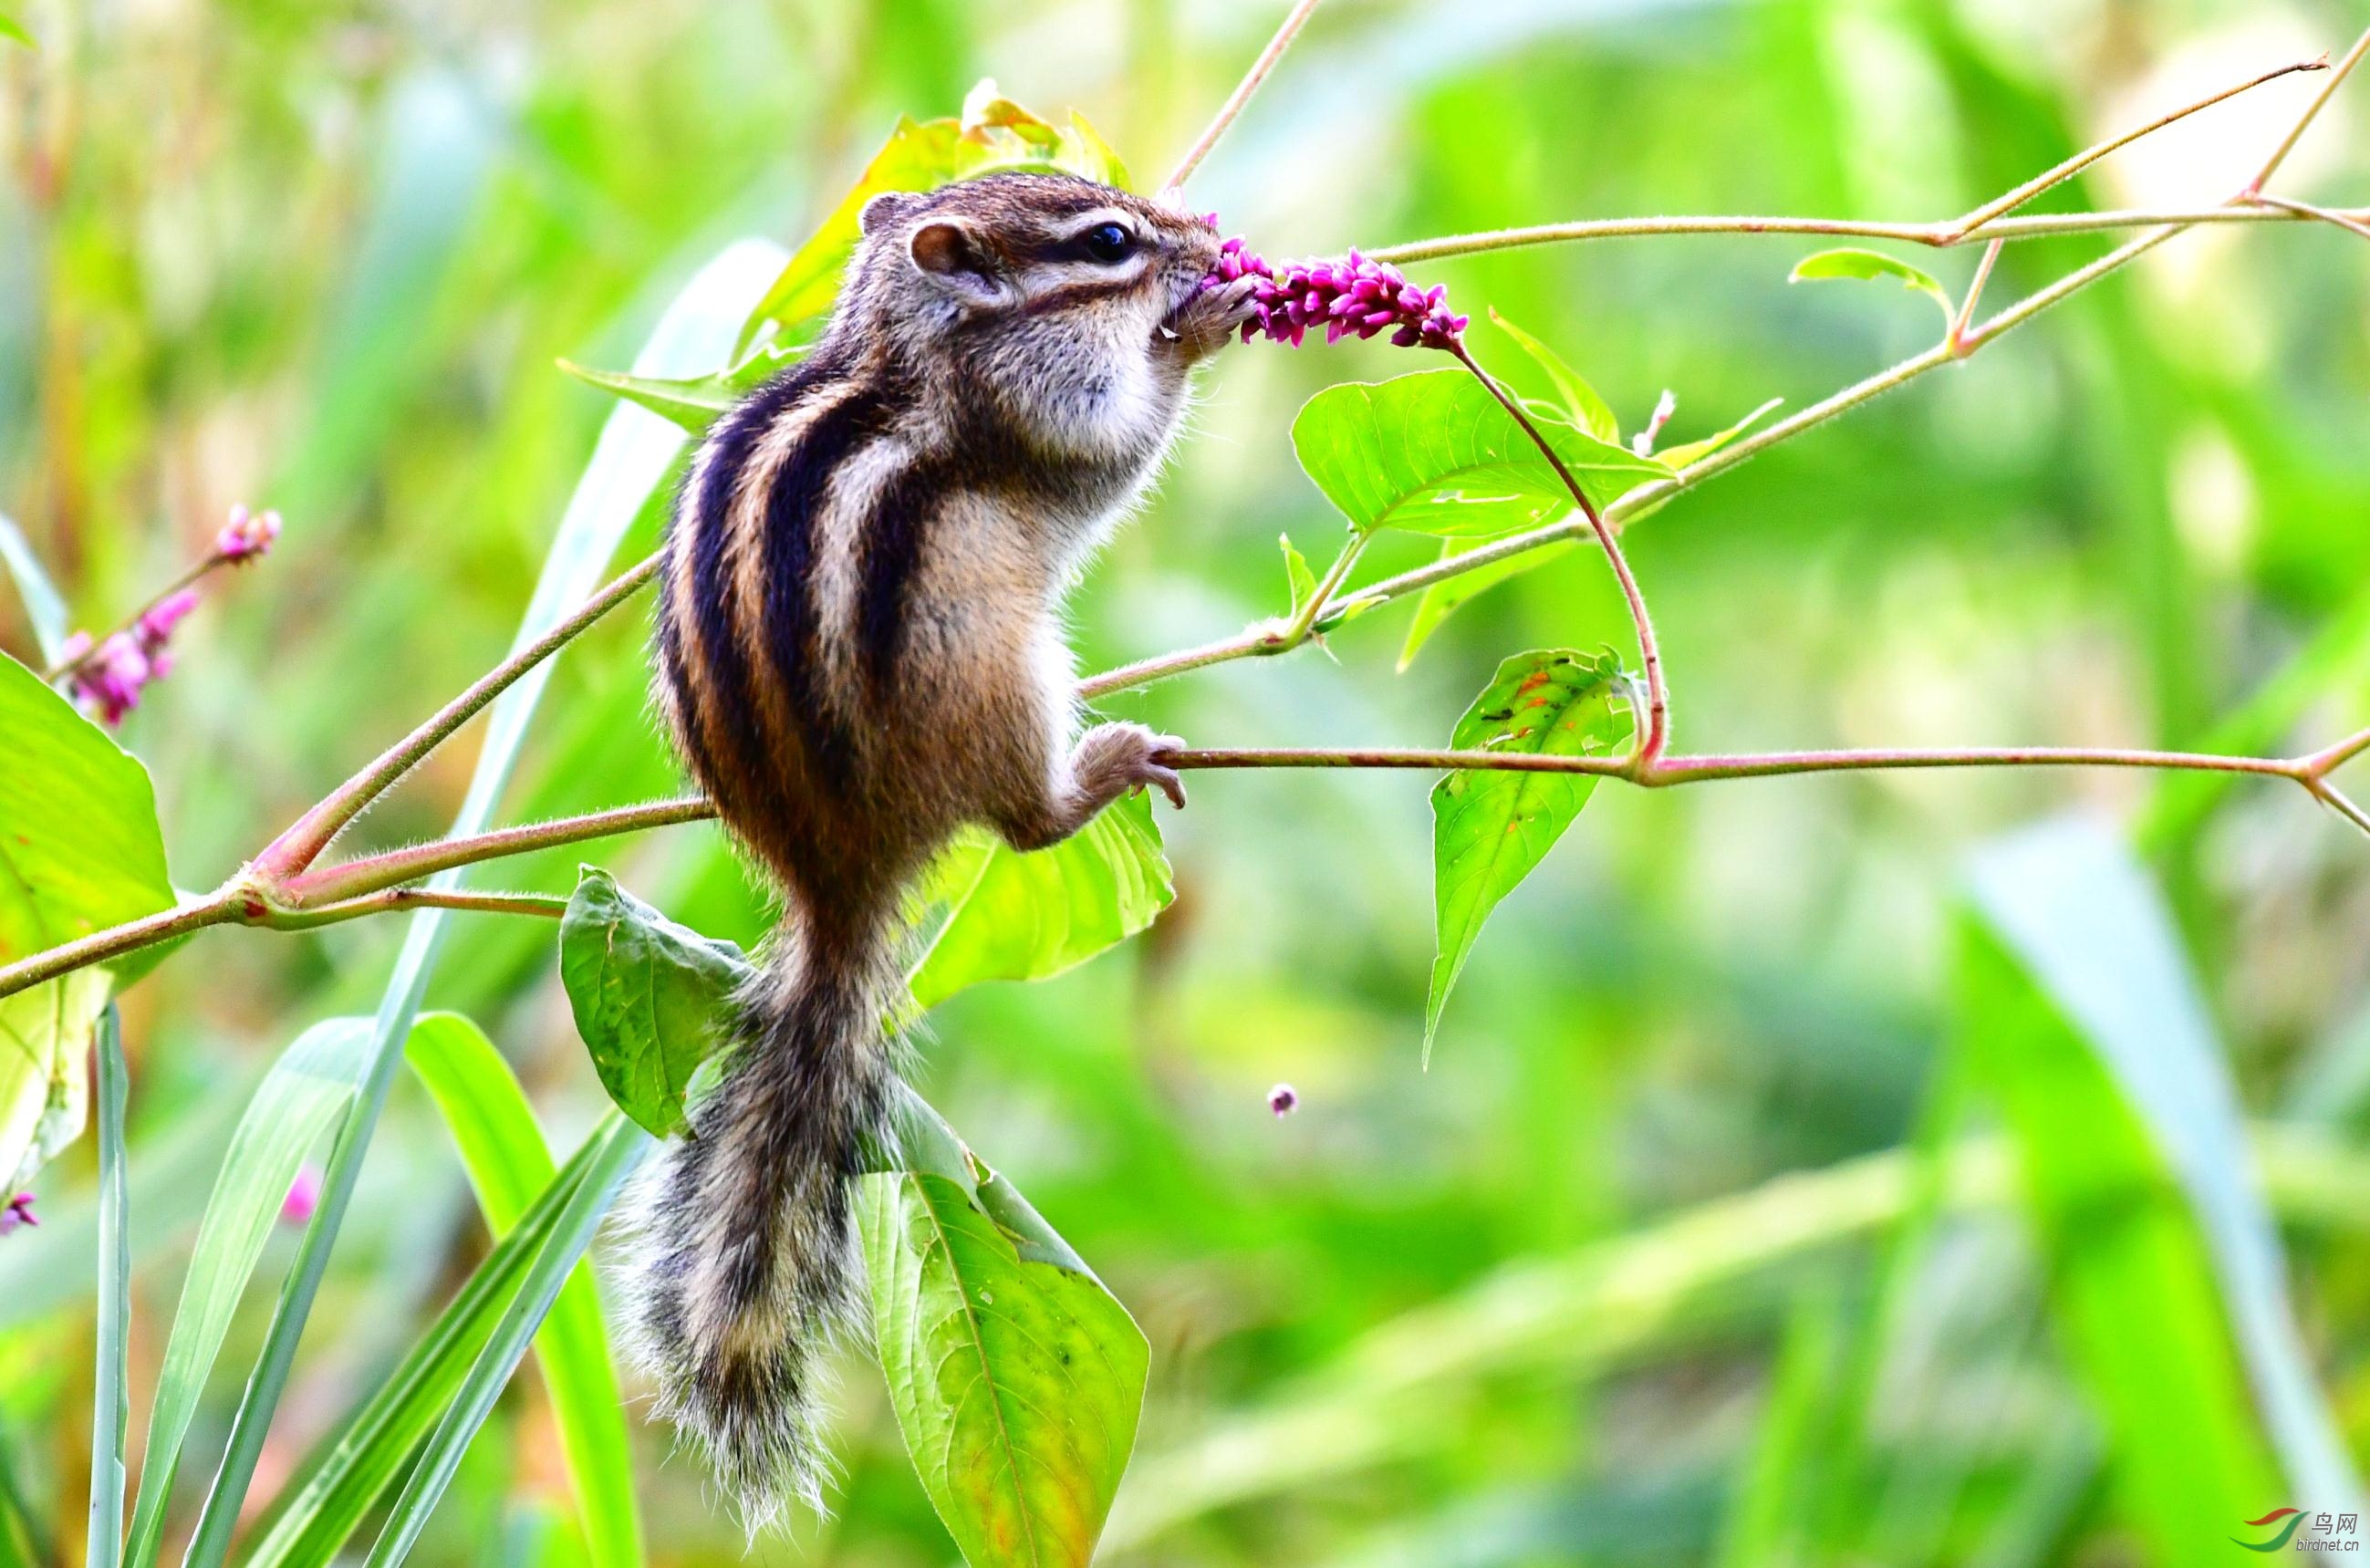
[1657, 697]
[302, 844]
[1296, 18]
[1705, 768]
[335, 884]
[189, 577]
[395, 900]
[2324, 215]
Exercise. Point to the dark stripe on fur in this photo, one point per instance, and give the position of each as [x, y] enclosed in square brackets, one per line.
[727, 717]
[793, 511]
[902, 514]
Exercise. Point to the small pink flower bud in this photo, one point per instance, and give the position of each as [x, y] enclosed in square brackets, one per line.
[109, 680]
[1284, 1100]
[246, 535]
[162, 617]
[19, 1211]
[304, 1196]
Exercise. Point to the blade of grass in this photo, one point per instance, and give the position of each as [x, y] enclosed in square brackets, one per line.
[310, 1522]
[617, 1145]
[44, 607]
[636, 452]
[508, 1162]
[109, 1405]
[301, 1097]
[2083, 1006]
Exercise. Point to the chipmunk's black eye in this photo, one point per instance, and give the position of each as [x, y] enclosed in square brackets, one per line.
[1108, 243]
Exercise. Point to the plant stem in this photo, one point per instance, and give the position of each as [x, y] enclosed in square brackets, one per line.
[190, 576]
[1990, 218]
[395, 900]
[2306, 210]
[1939, 237]
[1957, 340]
[302, 844]
[2312, 112]
[1657, 697]
[338, 884]
[2089, 155]
[1296, 18]
[115, 942]
[1699, 769]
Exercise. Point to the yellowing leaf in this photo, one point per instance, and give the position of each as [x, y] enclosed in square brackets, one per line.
[79, 851]
[994, 136]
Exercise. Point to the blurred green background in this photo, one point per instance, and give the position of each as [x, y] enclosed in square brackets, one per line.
[1552, 1301]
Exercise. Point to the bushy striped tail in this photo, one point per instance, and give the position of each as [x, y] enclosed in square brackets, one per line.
[746, 1263]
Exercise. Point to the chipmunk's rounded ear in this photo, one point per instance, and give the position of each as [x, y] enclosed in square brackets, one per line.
[885, 209]
[950, 251]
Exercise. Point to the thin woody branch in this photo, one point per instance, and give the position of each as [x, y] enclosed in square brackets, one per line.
[302, 844]
[1229, 112]
[1987, 223]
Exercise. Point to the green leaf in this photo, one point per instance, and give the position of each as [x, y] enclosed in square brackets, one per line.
[304, 1095]
[1489, 829]
[2083, 1017]
[617, 1145]
[1688, 452]
[1581, 402]
[1433, 453]
[111, 1410]
[310, 1522]
[650, 997]
[44, 607]
[1869, 266]
[13, 29]
[1300, 583]
[1017, 1378]
[692, 402]
[508, 1162]
[1028, 916]
[79, 851]
[994, 136]
[1446, 597]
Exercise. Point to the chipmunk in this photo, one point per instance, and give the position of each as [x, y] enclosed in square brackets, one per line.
[860, 651]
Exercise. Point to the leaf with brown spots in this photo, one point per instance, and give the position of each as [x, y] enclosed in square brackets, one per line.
[1490, 829]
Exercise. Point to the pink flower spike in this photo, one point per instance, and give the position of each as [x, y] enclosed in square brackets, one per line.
[1282, 1100]
[1355, 296]
[246, 535]
[19, 1211]
[110, 679]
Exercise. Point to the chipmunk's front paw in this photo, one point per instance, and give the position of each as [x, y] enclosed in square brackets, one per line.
[1112, 759]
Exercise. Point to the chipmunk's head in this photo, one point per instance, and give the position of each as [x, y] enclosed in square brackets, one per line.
[1077, 306]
